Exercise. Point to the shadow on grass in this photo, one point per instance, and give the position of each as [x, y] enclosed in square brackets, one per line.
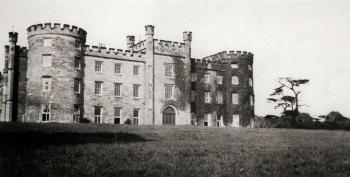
[37, 138]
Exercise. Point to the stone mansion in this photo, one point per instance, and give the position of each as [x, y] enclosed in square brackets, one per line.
[153, 82]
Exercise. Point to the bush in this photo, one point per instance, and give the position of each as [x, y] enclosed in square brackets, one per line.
[305, 123]
[272, 122]
[84, 120]
[127, 122]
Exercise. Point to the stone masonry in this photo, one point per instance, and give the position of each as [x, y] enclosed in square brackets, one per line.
[153, 82]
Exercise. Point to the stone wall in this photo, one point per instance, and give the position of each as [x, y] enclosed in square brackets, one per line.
[151, 55]
[22, 84]
[220, 64]
[62, 72]
[180, 99]
[108, 101]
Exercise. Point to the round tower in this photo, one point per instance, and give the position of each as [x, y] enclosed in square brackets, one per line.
[55, 73]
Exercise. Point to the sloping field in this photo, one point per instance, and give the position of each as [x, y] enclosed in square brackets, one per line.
[121, 150]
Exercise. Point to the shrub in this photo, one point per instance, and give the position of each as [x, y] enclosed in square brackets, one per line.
[127, 122]
[305, 122]
[84, 120]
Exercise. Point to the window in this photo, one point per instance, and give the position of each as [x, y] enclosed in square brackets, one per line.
[207, 78]
[234, 80]
[207, 119]
[169, 70]
[251, 82]
[207, 97]
[219, 80]
[45, 112]
[219, 121]
[234, 65]
[76, 114]
[77, 45]
[46, 84]
[193, 118]
[234, 98]
[235, 120]
[193, 77]
[135, 116]
[169, 91]
[251, 100]
[117, 68]
[98, 114]
[117, 114]
[250, 67]
[136, 90]
[98, 66]
[47, 60]
[117, 91]
[77, 63]
[98, 88]
[136, 70]
[47, 42]
[219, 98]
[193, 95]
[77, 85]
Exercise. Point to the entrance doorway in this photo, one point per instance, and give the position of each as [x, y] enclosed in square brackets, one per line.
[169, 116]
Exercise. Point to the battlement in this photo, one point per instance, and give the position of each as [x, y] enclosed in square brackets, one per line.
[165, 43]
[56, 28]
[111, 52]
[169, 48]
[205, 61]
[139, 46]
[227, 55]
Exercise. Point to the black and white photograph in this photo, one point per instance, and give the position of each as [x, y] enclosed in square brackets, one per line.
[174, 88]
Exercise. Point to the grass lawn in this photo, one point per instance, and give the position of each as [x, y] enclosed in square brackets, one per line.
[121, 150]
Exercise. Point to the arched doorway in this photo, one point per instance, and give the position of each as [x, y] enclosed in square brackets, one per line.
[169, 116]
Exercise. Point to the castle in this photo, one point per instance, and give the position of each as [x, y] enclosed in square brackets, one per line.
[60, 79]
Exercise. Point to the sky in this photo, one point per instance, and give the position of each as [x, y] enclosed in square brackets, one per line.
[289, 38]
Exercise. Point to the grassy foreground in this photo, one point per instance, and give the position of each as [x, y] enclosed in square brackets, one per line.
[121, 150]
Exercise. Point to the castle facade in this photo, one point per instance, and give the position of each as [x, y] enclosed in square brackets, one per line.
[60, 79]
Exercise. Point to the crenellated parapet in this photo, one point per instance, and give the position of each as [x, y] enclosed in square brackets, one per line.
[206, 62]
[113, 53]
[56, 28]
[169, 48]
[227, 56]
[138, 46]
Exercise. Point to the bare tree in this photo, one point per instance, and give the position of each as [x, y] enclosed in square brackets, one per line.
[286, 95]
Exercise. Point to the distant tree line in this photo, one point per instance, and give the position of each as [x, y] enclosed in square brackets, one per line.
[287, 97]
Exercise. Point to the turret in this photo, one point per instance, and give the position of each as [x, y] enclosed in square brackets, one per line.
[149, 74]
[13, 36]
[149, 30]
[4, 88]
[130, 41]
[187, 36]
[7, 50]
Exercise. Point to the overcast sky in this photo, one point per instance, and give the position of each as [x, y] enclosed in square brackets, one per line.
[296, 38]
